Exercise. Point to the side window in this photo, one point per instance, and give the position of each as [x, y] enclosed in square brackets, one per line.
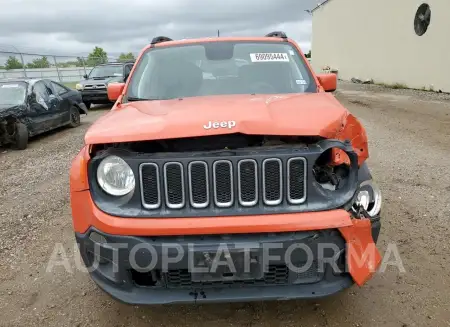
[59, 89]
[128, 69]
[42, 94]
[48, 87]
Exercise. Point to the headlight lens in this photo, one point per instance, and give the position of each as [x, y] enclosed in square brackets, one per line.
[115, 177]
[369, 198]
[79, 87]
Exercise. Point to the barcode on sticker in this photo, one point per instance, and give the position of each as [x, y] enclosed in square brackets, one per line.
[264, 57]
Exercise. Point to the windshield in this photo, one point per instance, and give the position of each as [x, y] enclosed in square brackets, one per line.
[218, 68]
[12, 93]
[106, 71]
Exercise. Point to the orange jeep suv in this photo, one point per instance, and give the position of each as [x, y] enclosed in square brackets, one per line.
[226, 171]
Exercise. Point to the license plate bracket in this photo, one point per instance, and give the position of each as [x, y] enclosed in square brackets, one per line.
[241, 264]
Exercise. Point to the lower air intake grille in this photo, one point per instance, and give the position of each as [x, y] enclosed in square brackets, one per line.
[276, 275]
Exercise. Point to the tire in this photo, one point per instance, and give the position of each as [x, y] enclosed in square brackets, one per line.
[21, 136]
[74, 117]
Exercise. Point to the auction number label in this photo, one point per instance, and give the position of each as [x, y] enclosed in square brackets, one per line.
[265, 57]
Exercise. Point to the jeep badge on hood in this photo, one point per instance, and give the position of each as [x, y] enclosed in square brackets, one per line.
[223, 124]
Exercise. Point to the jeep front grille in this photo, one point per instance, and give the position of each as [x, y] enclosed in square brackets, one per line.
[223, 183]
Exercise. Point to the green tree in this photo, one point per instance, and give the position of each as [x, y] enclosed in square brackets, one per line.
[80, 62]
[13, 63]
[39, 63]
[126, 56]
[97, 56]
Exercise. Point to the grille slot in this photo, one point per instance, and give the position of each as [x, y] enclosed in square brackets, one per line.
[296, 180]
[150, 185]
[223, 183]
[248, 182]
[198, 184]
[174, 185]
[272, 181]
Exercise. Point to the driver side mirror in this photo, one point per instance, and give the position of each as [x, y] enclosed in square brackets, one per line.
[115, 90]
[85, 76]
[328, 81]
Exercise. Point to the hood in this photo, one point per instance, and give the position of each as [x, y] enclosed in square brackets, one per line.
[309, 114]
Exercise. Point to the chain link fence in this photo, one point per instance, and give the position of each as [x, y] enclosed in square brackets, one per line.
[64, 69]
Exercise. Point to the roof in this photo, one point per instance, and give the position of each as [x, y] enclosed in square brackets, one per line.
[320, 5]
[217, 39]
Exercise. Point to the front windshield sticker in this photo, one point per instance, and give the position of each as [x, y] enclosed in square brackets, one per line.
[291, 52]
[266, 57]
[301, 82]
[7, 86]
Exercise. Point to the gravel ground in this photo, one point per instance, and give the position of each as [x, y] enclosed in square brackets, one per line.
[409, 154]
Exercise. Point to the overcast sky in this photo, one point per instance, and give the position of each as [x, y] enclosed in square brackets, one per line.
[75, 27]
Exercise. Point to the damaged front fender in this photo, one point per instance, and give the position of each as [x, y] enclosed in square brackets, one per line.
[13, 112]
[9, 117]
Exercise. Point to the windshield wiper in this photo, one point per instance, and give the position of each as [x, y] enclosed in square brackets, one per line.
[102, 77]
[147, 99]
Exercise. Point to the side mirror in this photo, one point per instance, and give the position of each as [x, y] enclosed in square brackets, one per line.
[328, 81]
[85, 76]
[115, 90]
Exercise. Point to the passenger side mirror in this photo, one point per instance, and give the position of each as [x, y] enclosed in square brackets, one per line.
[115, 90]
[85, 76]
[328, 81]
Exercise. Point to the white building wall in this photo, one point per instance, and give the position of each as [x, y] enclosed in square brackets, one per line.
[375, 39]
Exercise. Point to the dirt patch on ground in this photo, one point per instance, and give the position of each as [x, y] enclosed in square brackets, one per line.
[409, 155]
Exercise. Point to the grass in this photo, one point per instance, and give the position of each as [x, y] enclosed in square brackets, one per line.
[397, 86]
[401, 86]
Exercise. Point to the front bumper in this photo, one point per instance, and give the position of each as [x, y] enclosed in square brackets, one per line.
[95, 96]
[116, 265]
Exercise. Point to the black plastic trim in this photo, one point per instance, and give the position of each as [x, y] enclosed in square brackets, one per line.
[279, 34]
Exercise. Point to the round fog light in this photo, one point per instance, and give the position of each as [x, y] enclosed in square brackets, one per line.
[369, 198]
[363, 199]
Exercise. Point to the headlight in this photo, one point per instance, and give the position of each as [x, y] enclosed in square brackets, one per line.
[369, 198]
[79, 87]
[115, 177]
